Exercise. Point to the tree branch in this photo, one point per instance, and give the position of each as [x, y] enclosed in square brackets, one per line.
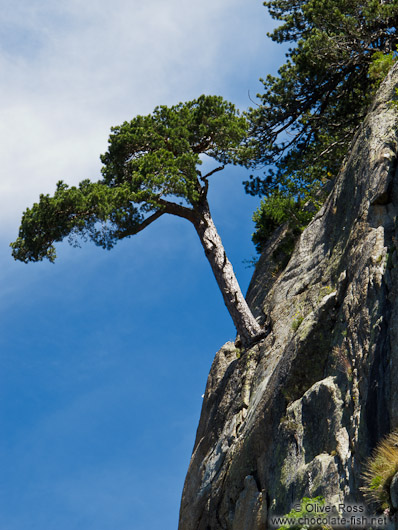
[141, 226]
[205, 188]
[212, 172]
[176, 209]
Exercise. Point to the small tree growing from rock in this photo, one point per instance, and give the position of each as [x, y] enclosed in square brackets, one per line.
[151, 168]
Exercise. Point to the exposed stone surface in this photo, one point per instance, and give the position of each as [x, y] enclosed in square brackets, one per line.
[394, 492]
[269, 268]
[251, 510]
[297, 414]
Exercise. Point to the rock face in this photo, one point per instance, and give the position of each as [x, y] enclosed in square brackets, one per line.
[297, 414]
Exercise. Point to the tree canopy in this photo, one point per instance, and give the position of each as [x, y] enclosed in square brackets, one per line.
[309, 113]
[151, 168]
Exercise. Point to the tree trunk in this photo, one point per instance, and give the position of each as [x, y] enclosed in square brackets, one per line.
[246, 325]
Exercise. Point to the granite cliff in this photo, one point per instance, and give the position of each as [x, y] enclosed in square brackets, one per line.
[298, 414]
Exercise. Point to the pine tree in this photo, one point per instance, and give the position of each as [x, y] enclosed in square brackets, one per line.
[309, 113]
[151, 169]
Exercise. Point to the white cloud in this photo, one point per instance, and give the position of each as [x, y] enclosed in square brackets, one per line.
[70, 70]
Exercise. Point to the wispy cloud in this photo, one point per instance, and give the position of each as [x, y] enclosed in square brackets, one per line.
[108, 349]
[71, 70]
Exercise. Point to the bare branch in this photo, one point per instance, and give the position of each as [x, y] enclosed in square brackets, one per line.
[176, 209]
[252, 100]
[212, 172]
[141, 226]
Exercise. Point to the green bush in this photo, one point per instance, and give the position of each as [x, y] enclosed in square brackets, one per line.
[277, 209]
[379, 471]
[381, 64]
[304, 512]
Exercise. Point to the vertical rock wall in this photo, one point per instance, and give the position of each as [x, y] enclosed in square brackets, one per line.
[298, 413]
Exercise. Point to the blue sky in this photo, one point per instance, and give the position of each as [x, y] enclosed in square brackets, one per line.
[104, 356]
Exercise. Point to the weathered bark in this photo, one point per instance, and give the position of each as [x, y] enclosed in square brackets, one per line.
[246, 325]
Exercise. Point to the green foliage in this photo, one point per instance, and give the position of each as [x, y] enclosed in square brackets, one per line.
[307, 509]
[276, 209]
[297, 320]
[381, 64]
[298, 316]
[379, 471]
[159, 153]
[325, 291]
[149, 161]
[310, 111]
[91, 210]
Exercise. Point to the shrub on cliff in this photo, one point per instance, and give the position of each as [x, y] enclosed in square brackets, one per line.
[380, 470]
